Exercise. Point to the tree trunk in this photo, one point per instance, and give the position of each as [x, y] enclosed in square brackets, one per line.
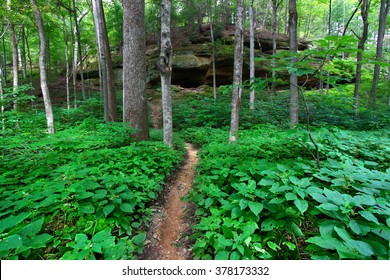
[384, 10]
[251, 56]
[29, 60]
[292, 26]
[273, 27]
[77, 21]
[237, 74]
[23, 53]
[1, 102]
[134, 68]
[107, 80]
[15, 63]
[330, 18]
[264, 22]
[213, 51]
[364, 13]
[165, 67]
[4, 58]
[42, 69]
[66, 38]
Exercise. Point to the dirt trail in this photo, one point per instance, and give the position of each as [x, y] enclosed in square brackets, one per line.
[167, 239]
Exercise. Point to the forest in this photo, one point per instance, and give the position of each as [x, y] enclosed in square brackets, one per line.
[195, 129]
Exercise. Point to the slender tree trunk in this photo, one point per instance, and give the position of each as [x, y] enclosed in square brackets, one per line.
[264, 22]
[213, 51]
[364, 13]
[165, 67]
[134, 68]
[29, 60]
[292, 23]
[15, 63]
[23, 53]
[384, 10]
[4, 60]
[77, 21]
[330, 18]
[42, 68]
[251, 56]
[273, 27]
[237, 74]
[111, 114]
[1, 102]
[66, 38]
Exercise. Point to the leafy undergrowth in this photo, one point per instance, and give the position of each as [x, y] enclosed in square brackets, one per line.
[264, 197]
[79, 194]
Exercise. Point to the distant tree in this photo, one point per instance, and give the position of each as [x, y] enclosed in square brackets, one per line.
[384, 11]
[364, 13]
[292, 26]
[165, 67]
[105, 62]
[252, 54]
[15, 55]
[237, 72]
[134, 68]
[42, 68]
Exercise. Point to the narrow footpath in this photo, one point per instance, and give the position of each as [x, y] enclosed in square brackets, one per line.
[167, 238]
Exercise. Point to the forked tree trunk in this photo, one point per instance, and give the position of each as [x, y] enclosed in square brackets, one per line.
[292, 26]
[384, 10]
[42, 69]
[251, 56]
[107, 77]
[237, 73]
[134, 68]
[364, 13]
[165, 67]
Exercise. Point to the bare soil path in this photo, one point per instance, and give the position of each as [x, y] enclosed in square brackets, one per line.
[167, 238]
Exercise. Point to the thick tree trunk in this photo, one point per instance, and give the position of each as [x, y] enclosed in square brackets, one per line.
[237, 74]
[42, 69]
[165, 67]
[364, 13]
[384, 10]
[251, 55]
[134, 68]
[107, 79]
[292, 23]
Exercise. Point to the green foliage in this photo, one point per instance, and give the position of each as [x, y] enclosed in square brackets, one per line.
[263, 197]
[81, 193]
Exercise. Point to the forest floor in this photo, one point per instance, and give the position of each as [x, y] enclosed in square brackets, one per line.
[168, 235]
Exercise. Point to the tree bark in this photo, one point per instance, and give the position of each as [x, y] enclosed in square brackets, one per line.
[292, 26]
[107, 79]
[165, 67]
[23, 53]
[364, 13]
[15, 58]
[77, 21]
[237, 74]
[213, 51]
[384, 10]
[134, 68]
[251, 55]
[42, 69]
[273, 27]
[66, 38]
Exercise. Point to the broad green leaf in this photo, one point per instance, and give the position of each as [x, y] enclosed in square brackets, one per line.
[358, 227]
[363, 247]
[82, 241]
[266, 182]
[291, 196]
[223, 255]
[343, 233]
[86, 208]
[255, 207]
[369, 216]
[328, 207]
[208, 202]
[11, 242]
[13, 221]
[302, 205]
[290, 245]
[108, 209]
[41, 240]
[273, 245]
[104, 238]
[296, 230]
[327, 227]
[334, 196]
[268, 225]
[32, 228]
[235, 255]
[364, 199]
[127, 207]
[319, 197]
[325, 242]
[139, 238]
